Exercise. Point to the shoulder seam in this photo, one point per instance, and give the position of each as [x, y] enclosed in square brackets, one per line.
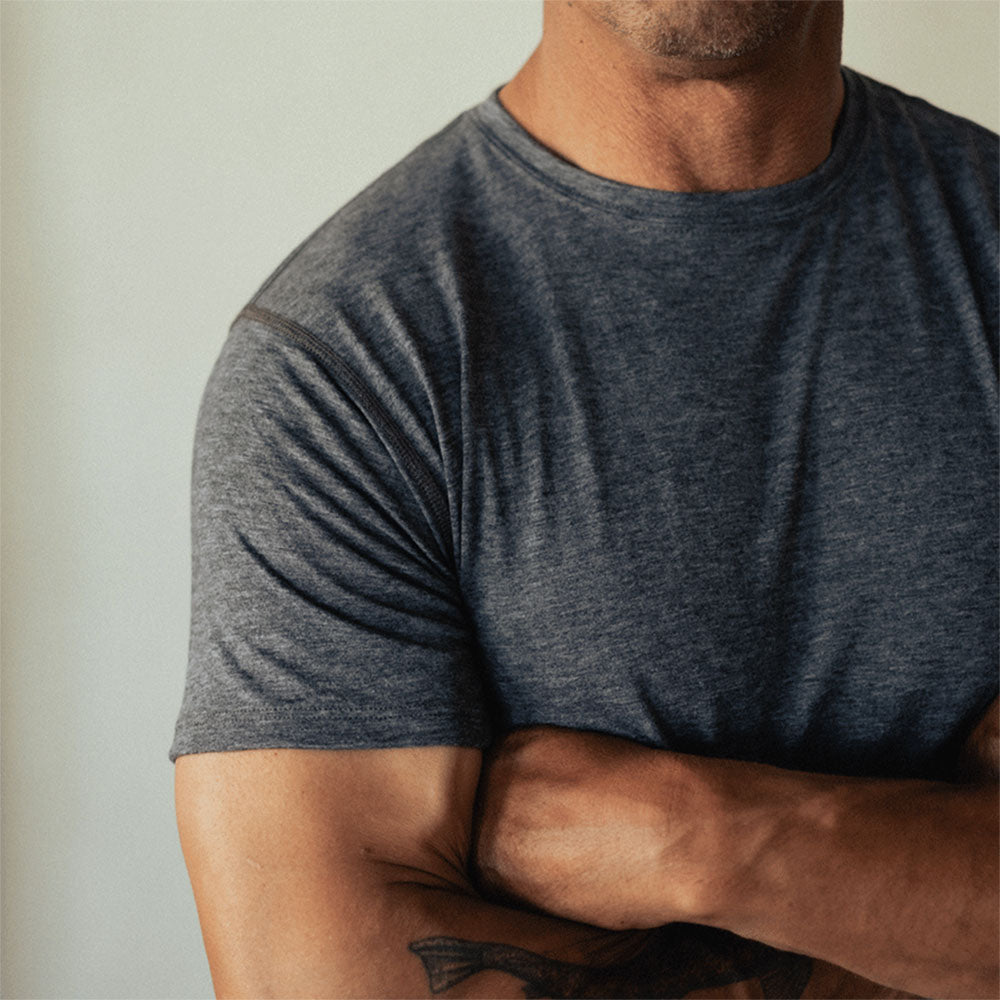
[360, 392]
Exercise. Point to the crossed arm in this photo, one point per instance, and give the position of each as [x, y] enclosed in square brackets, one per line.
[894, 880]
[346, 873]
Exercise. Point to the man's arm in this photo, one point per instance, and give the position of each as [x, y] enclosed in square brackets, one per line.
[894, 880]
[315, 871]
[343, 874]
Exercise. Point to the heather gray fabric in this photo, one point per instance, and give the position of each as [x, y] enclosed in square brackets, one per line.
[507, 443]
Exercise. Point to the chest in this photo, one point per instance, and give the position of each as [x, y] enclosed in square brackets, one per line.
[762, 529]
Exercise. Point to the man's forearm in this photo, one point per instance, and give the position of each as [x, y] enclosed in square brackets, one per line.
[895, 880]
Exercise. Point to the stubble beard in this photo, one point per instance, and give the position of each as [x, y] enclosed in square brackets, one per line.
[696, 29]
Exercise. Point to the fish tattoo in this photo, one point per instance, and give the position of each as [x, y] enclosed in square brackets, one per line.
[672, 961]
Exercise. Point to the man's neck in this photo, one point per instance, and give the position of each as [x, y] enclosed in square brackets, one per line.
[604, 105]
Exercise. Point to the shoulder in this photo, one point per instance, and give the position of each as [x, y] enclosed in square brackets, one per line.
[375, 294]
[384, 258]
[924, 140]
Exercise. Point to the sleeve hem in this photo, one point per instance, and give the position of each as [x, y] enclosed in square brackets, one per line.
[247, 730]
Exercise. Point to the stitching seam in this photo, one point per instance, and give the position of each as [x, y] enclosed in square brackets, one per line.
[351, 381]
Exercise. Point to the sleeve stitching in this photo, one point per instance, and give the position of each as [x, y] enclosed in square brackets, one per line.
[356, 386]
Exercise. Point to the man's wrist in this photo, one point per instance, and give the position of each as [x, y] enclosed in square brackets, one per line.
[745, 815]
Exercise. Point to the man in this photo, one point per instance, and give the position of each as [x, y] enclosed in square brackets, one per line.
[640, 425]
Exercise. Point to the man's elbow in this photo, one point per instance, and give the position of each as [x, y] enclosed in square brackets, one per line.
[501, 863]
[517, 862]
[511, 863]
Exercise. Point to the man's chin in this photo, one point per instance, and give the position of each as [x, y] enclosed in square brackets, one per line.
[699, 31]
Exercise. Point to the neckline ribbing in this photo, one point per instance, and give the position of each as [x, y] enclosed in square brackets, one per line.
[723, 208]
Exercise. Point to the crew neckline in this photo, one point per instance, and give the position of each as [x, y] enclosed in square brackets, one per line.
[717, 207]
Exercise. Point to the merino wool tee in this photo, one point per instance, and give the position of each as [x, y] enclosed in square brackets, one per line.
[507, 443]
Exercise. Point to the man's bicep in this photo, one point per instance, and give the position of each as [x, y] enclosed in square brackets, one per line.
[293, 855]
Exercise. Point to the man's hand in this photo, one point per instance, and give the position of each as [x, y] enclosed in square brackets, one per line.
[894, 880]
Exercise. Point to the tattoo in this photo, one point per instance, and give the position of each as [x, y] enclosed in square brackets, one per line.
[671, 962]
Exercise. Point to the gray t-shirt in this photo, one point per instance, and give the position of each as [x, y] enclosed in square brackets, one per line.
[507, 443]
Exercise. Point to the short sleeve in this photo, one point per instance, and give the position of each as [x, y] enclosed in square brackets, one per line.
[325, 609]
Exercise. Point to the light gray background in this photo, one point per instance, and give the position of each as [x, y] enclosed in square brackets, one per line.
[159, 159]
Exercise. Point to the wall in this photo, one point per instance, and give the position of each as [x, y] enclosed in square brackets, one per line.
[158, 160]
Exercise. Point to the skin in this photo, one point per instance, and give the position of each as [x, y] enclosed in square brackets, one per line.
[634, 93]
[353, 873]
